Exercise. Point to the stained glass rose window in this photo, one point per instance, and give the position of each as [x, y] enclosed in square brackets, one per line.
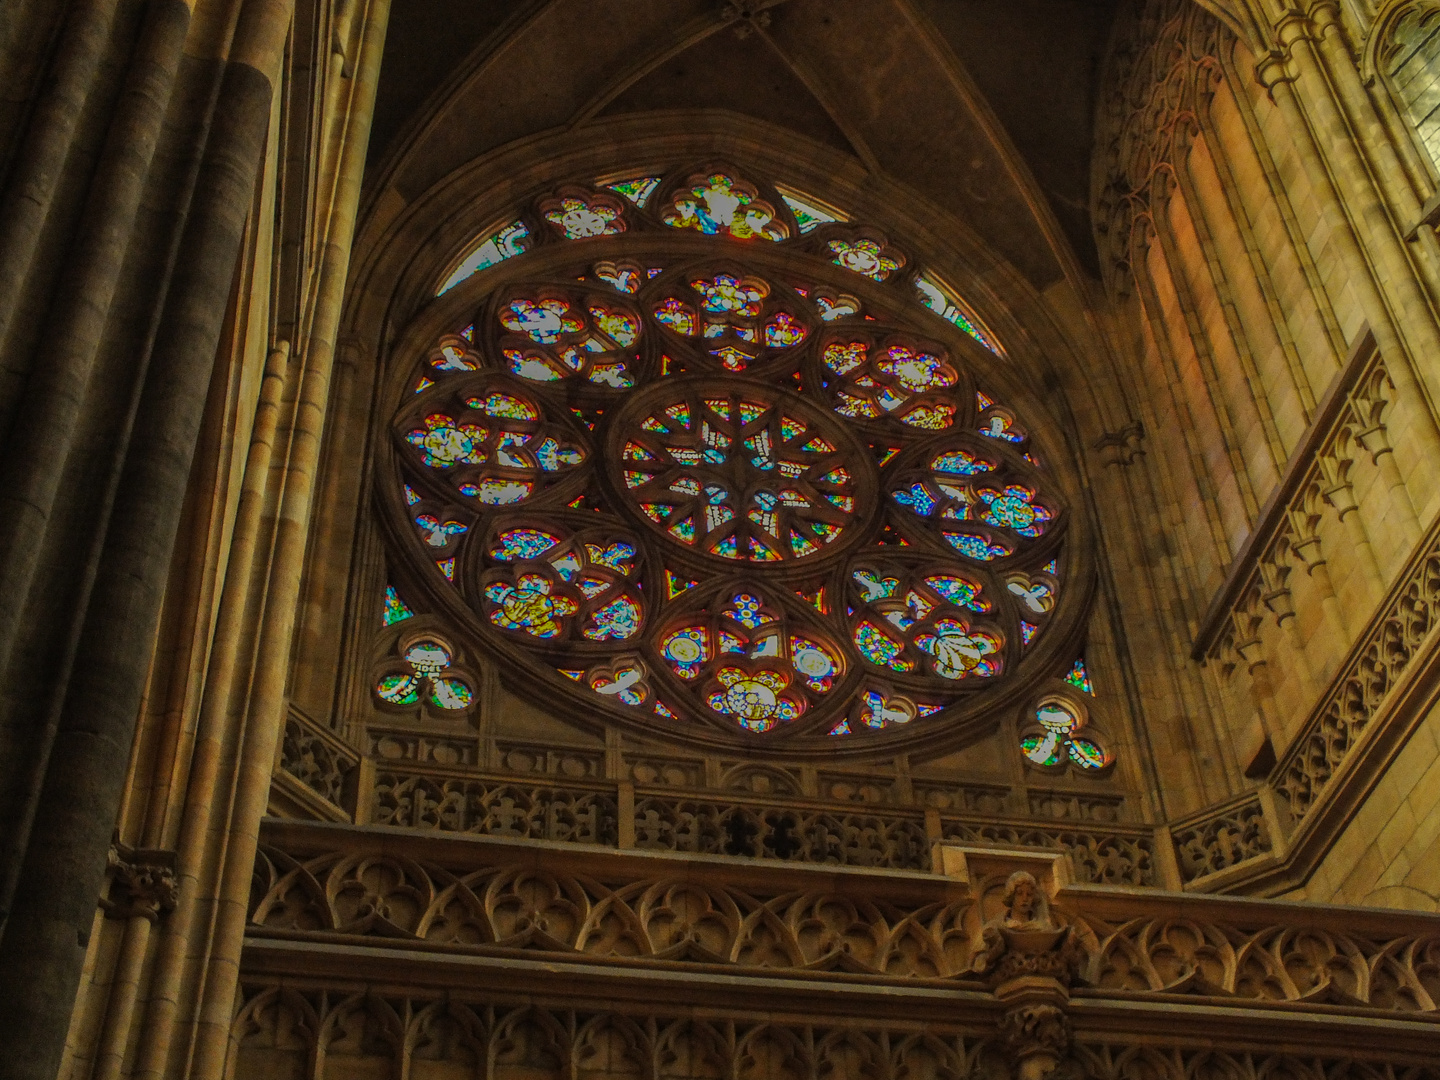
[725, 471]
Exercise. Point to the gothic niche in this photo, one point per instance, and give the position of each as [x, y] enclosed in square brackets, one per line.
[690, 486]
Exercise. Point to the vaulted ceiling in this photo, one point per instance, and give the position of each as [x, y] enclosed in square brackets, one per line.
[985, 107]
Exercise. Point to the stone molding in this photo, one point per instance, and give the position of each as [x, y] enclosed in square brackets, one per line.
[436, 900]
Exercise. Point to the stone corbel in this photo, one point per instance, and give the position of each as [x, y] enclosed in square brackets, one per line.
[1027, 958]
[1122, 447]
[142, 883]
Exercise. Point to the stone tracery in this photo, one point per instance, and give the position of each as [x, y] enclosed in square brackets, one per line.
[856, 507]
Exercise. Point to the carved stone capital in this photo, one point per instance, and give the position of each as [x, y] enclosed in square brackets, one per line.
[142, 884]
[1037, 1037]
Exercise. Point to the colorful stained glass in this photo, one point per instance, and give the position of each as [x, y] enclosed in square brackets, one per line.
[838, 307]
[958, 591]
[613, 375]
[879, 710]
[398, 689]
[447, 567]
[864, 256]
[728, 294]
[1087, 754]
[448, 692]
[728, 548]
[1027, 632]
[428, 657]
[638, 190]
[879, 648]
[916, 371]
[1037, 596]
[731, 358]
[917, 498]
[615, 555]
[844, 357]
[938, 299]
[529, 606]
[675, 584]
[754, 698]
[498, 492]
[677, 315]
[410, 497]
[505, 406]
[816, 664]
[578, 218]
[396, 610]
[623, 279]
[745, 610]
[961, 463]
[619, 619]
[522, 544]
[783, 331]
[873, 587]
[662, 710]
[686, 650]
[1000, 426]
[534, 368]
[545, 321]
[444, 443]
[930, 415]
[810, 212]
[957, 652]
[1015, 508]
[976, 547]
[1045, 750]
[503, 244]
[718, 204]
[423, 383]
[621, 327]
[626, 684]
[1079, 678]
[1052, 567]
[842, 728]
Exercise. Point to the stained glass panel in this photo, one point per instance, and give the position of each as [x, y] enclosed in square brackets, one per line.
[791, 510]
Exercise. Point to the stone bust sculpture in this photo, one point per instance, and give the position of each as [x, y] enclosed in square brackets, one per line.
[1023, 938]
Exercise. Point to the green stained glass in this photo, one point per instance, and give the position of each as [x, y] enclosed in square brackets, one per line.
[638, 190]
[1080, 678]
[396, 609]
[399, 689]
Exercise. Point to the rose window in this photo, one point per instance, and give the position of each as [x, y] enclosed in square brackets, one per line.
[751, 491]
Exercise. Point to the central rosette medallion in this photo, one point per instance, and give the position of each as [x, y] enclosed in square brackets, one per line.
[749, 473]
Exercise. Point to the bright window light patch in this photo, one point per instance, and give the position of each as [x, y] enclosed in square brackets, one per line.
[809, 211]
[504, 244]
[940, 299]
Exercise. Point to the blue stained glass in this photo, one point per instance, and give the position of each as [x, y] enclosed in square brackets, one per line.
[976, 547]
[917, 498]
[619, 619]
[523, 544]
[746, 611]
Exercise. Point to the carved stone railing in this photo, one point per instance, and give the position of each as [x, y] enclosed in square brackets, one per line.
[317, 771]
[1273, 837]
[791, 829]
[1364, 685]
[1349, 423]
[479, 926]
[1221, 837]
